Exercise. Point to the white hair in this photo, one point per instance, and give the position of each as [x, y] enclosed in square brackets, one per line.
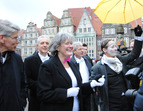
[7, 28]
[76, 44]
[43, 36]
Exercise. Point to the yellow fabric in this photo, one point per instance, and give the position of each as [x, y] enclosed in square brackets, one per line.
[119, 11]
[141, 82]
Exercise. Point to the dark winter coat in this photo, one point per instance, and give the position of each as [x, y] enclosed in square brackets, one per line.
[99, 69]
[53, 83]
[12, 84]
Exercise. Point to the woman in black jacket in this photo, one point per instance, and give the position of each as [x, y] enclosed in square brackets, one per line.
[113, 66]
[60, 85]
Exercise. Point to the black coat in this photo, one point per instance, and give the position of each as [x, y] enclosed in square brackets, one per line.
[99, 69]
[12, 84]
[88, 104]
[32, 65]
[53, 84]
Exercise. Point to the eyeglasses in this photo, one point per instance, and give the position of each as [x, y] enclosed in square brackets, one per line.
[15, 38]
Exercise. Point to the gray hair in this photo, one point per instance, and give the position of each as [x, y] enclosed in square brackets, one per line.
[7, 28]
[75, 44]
[43, 36]
[57, 40]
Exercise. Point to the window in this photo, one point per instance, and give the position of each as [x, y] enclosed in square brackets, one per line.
[112, 30]
[47, 24]
[30, 35]
[125, 30]
[36, 35]
[84, 29]
[30, 51]
[106, 31]
[63, 22]
[89, 29]
[99, 42]
[52, 30]
[84, 21]
[50, 23]
[30, 28]
[45, 32]
[30, 41]
[25, 35]
[80, 30]
[49, 31]
[25, 42]
[25, 50]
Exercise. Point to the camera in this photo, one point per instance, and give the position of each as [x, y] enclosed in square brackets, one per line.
[131, 74]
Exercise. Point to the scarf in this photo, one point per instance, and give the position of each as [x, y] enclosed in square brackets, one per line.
[113, 63]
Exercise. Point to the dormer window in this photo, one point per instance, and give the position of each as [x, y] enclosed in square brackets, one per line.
[84, 21]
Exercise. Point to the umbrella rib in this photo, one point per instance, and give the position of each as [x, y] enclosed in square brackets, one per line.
[124, 10]
[132, 12]
[111, 9]
[138, 2]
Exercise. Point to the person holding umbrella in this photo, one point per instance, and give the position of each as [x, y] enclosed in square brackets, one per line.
[112, 93]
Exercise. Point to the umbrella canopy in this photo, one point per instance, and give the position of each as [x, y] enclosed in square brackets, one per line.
[119, 11]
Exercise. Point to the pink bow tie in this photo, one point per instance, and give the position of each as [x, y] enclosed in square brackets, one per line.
[68, 59]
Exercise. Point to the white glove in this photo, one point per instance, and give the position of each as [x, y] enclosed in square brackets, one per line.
[94, 83]
[71, 92]
[101, 80]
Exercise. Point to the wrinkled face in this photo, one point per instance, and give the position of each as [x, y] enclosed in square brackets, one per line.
[10, 43]
[65, 49]
[79, 51]
[111, 50]
[43, 46]
[84, 50]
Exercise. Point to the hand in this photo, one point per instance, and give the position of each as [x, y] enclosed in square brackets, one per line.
[72, 92]
[138, 31]
[94, 83]
[101, 80]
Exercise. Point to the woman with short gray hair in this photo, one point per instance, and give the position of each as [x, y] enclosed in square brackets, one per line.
[60, 81]
[57, 40]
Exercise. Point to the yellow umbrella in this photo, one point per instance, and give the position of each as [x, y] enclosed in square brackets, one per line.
[119, 11]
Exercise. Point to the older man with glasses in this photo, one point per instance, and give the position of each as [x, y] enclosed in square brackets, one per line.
[12, 79]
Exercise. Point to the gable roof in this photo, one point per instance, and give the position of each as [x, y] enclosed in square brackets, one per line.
[57, 20]
[76, 14]
[96, 22]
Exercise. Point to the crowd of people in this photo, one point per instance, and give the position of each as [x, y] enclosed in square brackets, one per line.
[60, 76]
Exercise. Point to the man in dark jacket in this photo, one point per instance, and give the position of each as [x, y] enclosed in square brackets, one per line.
[32, 64]
[12, 79]
[83, 64]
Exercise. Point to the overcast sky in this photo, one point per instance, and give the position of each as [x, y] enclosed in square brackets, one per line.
[21, 12]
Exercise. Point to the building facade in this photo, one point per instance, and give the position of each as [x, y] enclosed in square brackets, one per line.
[83, 24]
[29, 40]
[51, 25]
